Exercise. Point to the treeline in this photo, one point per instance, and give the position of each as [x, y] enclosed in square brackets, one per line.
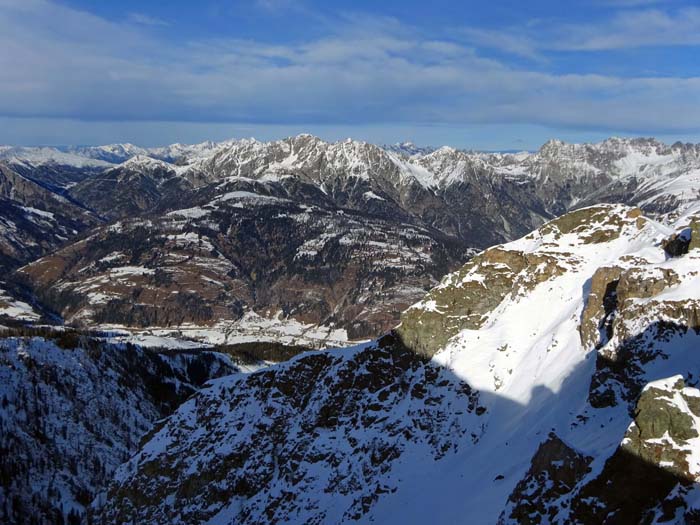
[257, 351]
[63, 337]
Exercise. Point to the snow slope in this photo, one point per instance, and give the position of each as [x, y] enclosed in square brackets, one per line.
[535, 357]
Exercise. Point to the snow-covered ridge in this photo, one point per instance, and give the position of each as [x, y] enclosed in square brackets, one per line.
[71, 412]
[576, 343]
[428, 166]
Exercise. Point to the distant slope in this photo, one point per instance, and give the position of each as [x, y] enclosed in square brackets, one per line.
[252, 248]
[35, 220]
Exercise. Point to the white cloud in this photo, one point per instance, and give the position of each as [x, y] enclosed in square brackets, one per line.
[147, 20]
[510, 41]
[60, 62]
[625, 29]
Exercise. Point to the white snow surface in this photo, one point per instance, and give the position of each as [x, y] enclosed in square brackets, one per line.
[533, 372]
[252, 327]
[16, 309]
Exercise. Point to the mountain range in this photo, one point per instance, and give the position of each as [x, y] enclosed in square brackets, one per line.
[300, 331]
[331, 240]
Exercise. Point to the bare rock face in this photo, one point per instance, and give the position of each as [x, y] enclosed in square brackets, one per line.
[620, 300]
[555, 470]
[694, 234]
[650, 462]
[600, 303]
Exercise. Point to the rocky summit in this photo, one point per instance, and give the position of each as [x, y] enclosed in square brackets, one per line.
[553, 379]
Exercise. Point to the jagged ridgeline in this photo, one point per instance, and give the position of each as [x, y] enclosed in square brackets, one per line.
[300, 240]
[553, 379]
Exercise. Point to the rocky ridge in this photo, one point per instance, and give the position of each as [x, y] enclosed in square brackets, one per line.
[554, 387]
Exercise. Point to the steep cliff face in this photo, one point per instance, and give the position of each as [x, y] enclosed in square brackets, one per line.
[72, 409]
[524, 387]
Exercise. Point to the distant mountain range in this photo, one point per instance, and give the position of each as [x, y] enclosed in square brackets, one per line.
[331, 239]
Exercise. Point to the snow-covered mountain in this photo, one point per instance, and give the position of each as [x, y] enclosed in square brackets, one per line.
[35, 220]
[552, 379]
[408, 149]
[286, 226]
[249, 254]
[73, 408]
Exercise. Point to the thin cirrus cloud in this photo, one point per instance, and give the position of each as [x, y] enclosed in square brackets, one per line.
[631, 3]
[147, 20]
[626, 29]
[59, 62]
[633, 29]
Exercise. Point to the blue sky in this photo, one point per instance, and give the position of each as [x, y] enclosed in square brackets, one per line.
[485, 75]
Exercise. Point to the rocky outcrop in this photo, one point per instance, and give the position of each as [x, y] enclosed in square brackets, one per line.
[694, 234]
[612, 318]
[465, 299]
[651, 461]
[555, 470]
[481, 285]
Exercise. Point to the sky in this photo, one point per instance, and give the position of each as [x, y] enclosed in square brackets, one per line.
[483, 75]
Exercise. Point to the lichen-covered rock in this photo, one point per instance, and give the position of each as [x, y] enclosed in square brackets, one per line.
[651, 461]
[694, 234]
[595, 224]
[663, 425]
